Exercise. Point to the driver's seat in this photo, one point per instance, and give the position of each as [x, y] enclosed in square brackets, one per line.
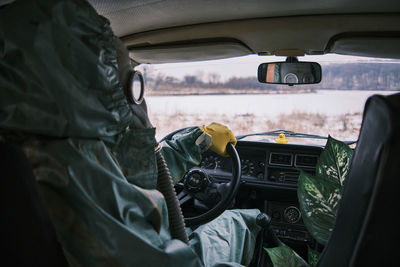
[28, 236]
[366, 230]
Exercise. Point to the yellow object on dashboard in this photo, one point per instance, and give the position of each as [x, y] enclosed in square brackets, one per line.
[221, 136]
[281, 139]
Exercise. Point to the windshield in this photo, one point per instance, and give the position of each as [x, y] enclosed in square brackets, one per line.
[227, 91]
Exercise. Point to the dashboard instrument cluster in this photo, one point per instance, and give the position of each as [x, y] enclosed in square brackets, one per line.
[264, 164]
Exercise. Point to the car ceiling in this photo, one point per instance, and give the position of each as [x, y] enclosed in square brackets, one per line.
[157, 31]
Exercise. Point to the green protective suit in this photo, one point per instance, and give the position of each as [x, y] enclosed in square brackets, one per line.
[62, 101]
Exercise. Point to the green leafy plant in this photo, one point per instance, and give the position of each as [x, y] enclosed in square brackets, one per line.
[319, 197]
[284, 256]
[313, 257]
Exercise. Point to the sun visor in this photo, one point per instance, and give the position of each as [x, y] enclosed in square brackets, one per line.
[188, 52]
[384, 47]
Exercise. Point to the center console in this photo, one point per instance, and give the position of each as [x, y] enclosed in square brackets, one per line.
[287, 222]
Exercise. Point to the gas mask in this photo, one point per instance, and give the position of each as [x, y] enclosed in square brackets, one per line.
[133, 85]
[296, 73]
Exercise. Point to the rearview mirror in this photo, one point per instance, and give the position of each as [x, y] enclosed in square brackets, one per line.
[290, 73]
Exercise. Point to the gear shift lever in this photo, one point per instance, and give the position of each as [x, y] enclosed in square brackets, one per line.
[264, 221]
[267, 237]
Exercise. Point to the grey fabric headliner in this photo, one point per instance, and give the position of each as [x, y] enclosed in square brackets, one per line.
[309, 34]
[129, 17]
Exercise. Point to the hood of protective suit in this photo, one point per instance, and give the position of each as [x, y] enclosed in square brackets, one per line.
[59, 75]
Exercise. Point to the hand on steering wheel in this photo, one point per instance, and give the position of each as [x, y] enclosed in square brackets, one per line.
[197, 185]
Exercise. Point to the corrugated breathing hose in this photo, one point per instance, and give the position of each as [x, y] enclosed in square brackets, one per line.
[166, 187]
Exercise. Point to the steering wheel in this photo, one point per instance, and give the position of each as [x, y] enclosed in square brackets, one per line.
[197, 186]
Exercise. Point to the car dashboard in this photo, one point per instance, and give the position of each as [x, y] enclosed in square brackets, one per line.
[270, 173]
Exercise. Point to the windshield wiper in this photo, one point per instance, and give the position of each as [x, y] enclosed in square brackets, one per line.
[290, 134]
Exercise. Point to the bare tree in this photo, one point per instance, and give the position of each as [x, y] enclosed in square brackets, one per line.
[213, 78]
[159, 80]
[190, 79]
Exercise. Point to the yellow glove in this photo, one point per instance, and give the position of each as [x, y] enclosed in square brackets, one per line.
[221, 136]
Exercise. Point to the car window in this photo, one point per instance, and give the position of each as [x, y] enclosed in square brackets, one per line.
[227, 91]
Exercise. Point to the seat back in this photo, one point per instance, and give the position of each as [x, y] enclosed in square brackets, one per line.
[28, 237]
[366, 230]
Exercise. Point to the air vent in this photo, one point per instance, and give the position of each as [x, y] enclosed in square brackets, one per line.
[291, 177]
[306, 161]
[280, 159]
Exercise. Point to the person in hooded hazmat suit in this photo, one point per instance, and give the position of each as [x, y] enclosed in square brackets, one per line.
[93, 155]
